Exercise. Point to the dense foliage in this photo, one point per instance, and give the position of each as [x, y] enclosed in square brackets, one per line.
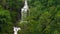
[44, 16]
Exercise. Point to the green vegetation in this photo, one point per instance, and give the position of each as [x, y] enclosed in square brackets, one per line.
[44, 16]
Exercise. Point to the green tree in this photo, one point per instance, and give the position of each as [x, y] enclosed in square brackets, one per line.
[44, 17]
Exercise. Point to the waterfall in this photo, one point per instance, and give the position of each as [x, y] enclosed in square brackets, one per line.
[24, 12]
[16, 29]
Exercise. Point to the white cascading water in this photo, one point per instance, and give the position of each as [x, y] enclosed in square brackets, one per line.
[24, 12]
[23, 17]
[16, 29]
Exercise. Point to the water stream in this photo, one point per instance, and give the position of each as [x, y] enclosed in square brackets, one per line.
[24, 12]
[23, 16]
[16, 29]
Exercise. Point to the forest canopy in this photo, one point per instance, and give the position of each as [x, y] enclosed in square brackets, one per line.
[44, 16]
